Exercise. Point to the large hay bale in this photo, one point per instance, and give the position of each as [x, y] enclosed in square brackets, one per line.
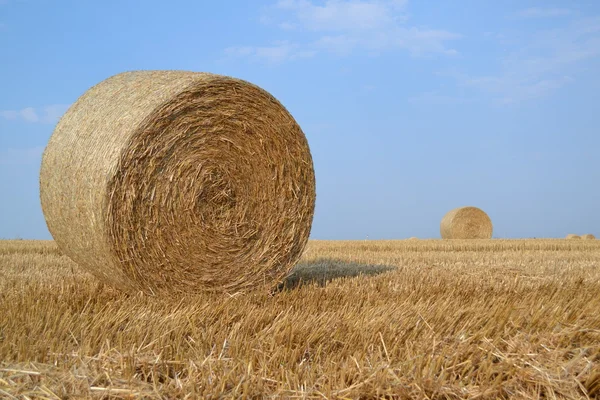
[573, 236]
[175, 181]
[466, 223]
[588, 236]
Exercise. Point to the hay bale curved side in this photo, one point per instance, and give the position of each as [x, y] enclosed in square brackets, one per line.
[176, 181]
[573, 236]
[466, 223]
[588, 236]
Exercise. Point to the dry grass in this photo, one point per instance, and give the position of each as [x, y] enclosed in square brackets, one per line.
[433, 320]
[174, 181]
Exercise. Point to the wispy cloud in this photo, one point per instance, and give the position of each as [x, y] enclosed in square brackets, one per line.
[26, 114]
[514, 89]
[541, 63]
[274, 54]
[52, 113]
[288, 26]
[416, 41]
[537, 12]
[337, 15]
[342, 27]
[435, 98]
[24, 156]
[45, 115]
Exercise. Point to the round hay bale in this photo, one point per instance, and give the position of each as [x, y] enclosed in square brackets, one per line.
[588, 236]
[179, 182]
[573, 236]
[466, 223]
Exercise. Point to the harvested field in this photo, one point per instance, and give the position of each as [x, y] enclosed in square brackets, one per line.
[427, 319]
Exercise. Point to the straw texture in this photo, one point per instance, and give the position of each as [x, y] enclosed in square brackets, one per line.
[466, 223]
[175, 181]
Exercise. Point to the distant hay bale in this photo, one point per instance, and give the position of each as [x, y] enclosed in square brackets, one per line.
[466, 223]
[179, 182]
[588, 236]
[413, 238]
[573, 236]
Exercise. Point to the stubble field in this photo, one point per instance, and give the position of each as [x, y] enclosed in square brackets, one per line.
[426, 319]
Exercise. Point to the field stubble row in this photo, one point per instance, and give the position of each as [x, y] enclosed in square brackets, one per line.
[432, 319]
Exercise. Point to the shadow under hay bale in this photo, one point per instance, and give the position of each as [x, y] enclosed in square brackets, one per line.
[322, 271]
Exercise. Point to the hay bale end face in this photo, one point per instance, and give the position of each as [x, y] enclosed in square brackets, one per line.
[466, 223]
[573, 236]
[588, 236]
[175, 181]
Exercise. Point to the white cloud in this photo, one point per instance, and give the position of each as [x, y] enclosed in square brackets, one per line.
[537, 12]
[29, 114]
[541, 63]
[275, 54]
[46, 115]
[8, 114]
[54, 112]
[435, 98]
[344, 26]
[339, 44]
[511, 90]
[21, 156]
[415, 40]
[420, 41]
[288, 26]
[337, 15]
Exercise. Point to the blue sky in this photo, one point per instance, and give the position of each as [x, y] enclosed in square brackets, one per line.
[410, 108]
